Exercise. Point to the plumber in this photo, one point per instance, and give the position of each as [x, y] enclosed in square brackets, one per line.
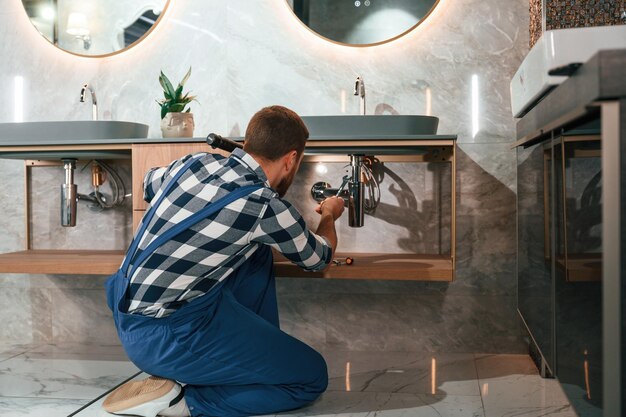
[194, 301]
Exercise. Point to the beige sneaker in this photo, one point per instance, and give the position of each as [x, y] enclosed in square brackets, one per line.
[145, 398]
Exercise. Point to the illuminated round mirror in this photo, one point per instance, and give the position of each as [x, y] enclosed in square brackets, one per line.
[96, 27]
[361, 22]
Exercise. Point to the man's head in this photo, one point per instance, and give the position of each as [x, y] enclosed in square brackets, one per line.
[276, 137]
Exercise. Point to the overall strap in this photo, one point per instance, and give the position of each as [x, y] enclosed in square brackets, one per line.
[150, 213]
[192, 220]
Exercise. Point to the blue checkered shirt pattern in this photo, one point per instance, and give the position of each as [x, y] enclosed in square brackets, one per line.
[191, 263]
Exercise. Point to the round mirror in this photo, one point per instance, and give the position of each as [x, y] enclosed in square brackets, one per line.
[361, 22]
[97, 27]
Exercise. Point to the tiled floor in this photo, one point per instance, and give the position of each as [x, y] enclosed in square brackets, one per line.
[51, 380]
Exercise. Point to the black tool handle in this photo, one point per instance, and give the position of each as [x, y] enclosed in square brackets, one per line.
[218, 142]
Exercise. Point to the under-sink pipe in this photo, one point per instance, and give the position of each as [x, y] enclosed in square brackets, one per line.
[356, 191]
[352, 190]
[69, 195]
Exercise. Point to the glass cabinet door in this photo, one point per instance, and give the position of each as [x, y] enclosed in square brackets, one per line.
[578, 270]
[535, 289]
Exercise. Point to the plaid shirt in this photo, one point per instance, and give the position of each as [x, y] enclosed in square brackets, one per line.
[191, 263]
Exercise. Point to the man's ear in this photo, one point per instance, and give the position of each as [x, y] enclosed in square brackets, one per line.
[291, 159]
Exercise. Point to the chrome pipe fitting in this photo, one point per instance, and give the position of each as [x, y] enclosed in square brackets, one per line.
[69, 195]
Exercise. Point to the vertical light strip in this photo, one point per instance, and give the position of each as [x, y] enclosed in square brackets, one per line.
[18, 99]
[429, 102]
[347, 376]
[475, 109]
[433, 376]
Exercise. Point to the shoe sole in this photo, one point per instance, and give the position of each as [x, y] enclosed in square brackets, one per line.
[152, 407]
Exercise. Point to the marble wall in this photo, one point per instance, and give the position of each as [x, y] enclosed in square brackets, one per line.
[246, 55]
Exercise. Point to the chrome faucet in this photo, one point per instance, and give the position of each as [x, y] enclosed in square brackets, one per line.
[94, 100]
[359, 90]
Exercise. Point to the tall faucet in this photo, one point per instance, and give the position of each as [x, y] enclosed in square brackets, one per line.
[94, 100]
[359, 90]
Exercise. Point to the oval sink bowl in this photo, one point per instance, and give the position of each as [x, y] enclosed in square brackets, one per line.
[369, 126]
[70, 132]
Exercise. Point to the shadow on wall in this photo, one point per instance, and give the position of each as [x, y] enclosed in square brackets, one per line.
[474, 313]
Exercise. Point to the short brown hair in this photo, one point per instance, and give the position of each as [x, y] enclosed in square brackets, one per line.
[275, 131]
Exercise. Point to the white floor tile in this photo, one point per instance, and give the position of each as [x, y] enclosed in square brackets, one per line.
[547, 411]
[365, 404]
[511, 382]
[23, 376]
[38, 407]
[402, 372]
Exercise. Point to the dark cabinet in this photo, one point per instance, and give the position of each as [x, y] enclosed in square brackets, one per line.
[560, 261]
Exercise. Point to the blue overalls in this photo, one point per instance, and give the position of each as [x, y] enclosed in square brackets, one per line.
[226, 345]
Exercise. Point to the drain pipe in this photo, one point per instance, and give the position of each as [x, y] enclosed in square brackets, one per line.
[69, 195]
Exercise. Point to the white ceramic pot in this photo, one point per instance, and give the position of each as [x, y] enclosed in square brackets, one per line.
[177, 125]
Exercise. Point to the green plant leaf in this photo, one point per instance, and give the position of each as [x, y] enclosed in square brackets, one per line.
[179, 92]
[185, 78]
[167, 85]
[174, 100]
[165, 108]
[178, 107]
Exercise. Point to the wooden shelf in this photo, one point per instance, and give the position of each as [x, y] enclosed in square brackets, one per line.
[366, 265]
[581, 267]
[384, 266]
[78, 262]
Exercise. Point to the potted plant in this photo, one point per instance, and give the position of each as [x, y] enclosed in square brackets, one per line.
[176, 122]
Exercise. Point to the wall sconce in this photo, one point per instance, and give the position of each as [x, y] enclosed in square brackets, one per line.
[78, 27]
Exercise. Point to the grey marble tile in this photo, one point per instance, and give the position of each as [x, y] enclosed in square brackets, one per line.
[12, 224]
[486, 170]
[303, 317]
[82, 316]
[23, 376]
[289, 285]
[53, 281]
[112, 227]
[39, 407]
[402, 372]
[9, 350]
[418, 323]
[24, 313]
[79, 351]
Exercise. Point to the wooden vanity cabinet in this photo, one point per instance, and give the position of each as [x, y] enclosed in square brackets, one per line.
[147, 156]
[157, 153]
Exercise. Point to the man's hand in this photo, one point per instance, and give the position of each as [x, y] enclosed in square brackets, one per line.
[330, 210]
[332, 205]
